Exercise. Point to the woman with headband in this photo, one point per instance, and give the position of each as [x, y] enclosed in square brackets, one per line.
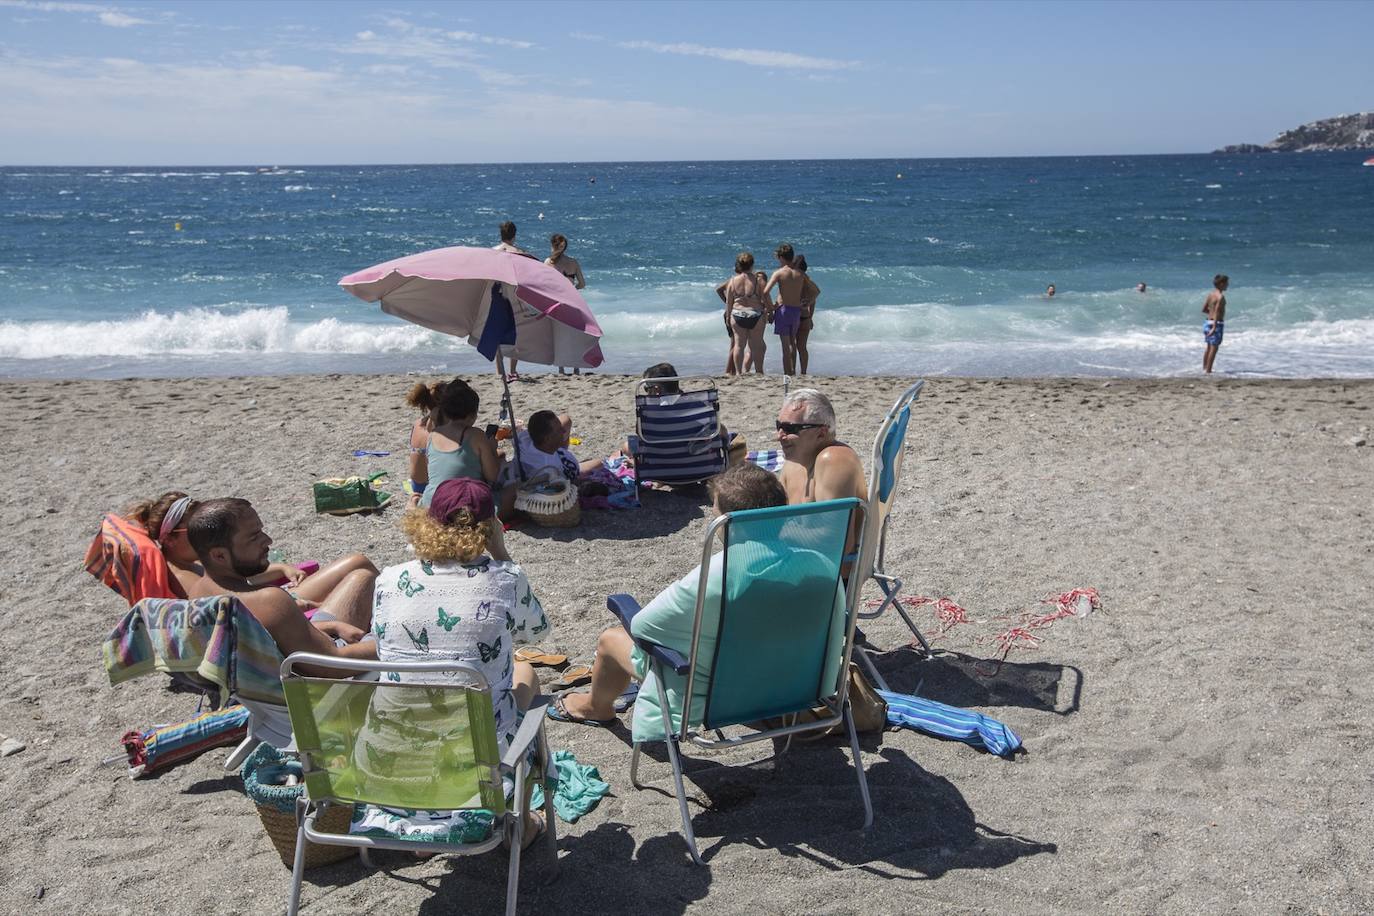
[164, 518]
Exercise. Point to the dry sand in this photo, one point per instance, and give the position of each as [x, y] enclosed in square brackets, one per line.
[1200, 744]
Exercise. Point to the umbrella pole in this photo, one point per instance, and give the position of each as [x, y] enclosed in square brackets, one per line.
[509, 407]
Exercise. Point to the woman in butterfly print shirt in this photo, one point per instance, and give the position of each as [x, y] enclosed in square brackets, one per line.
[456, 603]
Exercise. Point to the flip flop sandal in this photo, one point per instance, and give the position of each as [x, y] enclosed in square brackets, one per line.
[558, 712]
[539, 658]
[627, 699]
[574, 676]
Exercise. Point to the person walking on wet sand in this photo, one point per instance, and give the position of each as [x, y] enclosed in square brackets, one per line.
[1215, 309]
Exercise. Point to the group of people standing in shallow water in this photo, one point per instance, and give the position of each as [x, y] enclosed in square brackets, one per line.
[750, 308]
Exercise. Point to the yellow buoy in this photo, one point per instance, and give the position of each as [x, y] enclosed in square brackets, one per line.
[176, 226]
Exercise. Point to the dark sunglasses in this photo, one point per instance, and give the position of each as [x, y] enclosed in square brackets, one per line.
[794, 429]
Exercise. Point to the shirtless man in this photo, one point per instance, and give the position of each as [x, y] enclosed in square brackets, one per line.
[816, 465]
[1215, 309]
[227, 536]
[787, 318]
[507, 230]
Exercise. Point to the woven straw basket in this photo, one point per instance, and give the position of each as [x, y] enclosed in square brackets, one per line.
[550, 503]
[281, 828]
[263, 775]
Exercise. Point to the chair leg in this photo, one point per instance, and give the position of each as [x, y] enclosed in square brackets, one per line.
[634, 768]
[858, 764]
[861, 656]
[676, 761]
[298, 866]
[517, 838]
[240, 754]
[550, 815]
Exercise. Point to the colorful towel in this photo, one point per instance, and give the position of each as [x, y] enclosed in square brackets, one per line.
[619, 477]
[944, 721]
[579, 788]
[770, 459]
[126, 559]
[162, 748]
[215, 638]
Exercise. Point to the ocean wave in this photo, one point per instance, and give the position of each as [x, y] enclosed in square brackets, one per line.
[208, 332]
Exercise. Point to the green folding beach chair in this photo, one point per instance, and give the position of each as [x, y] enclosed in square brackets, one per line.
[771, 639]
[889, 448]
[430, 747]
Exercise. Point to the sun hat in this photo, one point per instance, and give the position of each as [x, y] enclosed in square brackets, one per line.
[462, 493]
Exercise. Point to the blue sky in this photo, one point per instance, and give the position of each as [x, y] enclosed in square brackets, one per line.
[337, 82]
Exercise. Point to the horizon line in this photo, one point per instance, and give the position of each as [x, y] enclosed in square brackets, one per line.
[510, 162]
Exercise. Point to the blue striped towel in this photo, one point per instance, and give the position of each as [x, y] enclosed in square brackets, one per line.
[944, 721]
[770, 459]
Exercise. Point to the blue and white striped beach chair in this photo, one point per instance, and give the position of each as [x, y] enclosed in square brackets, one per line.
[771, 639]
[889, 448]
[677, 433]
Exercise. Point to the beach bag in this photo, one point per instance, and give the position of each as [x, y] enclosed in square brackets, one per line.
[275, 785]
[346, 495]
[550, 500]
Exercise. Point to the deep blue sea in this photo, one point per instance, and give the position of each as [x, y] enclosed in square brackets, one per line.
[926, 266]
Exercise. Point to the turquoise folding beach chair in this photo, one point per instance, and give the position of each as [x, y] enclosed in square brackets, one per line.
[771, 639]
[420, 746]
[889, 448]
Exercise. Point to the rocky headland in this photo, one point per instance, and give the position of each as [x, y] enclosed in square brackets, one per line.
[1343, 132]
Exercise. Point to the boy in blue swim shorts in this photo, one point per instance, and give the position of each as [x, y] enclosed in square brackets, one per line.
[1214, 307]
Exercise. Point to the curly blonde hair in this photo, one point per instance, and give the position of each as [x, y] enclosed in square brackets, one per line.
[462, 539]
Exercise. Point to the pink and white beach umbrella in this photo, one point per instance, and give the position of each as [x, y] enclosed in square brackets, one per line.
[465, 292]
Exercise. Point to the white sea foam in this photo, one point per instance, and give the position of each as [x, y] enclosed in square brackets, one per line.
[208, 332]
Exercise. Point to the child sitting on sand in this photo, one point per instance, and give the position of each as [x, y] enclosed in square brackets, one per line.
[544, 444]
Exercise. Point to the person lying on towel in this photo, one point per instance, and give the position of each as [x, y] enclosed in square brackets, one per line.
[228, 538]
[332, 588]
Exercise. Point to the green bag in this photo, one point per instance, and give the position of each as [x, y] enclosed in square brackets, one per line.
[345, 495]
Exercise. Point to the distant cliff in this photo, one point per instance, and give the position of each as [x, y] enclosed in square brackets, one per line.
[1343, 132]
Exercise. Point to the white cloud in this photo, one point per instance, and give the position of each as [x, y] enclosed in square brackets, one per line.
[754, 57]
[433, 47]
[489, 40]
[112, 16]
[119, 20]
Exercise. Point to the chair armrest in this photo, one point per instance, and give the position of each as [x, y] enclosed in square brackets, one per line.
[529, 729]
[625, 608]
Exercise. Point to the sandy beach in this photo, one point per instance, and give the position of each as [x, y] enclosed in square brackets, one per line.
[1197, 745]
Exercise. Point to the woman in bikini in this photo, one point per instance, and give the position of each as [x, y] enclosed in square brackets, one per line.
[443, 443]
[747, 309]
[568, 267]
[810, 293]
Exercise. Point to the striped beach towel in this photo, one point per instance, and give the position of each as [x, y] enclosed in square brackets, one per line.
[770, 459]
[944, 721]
[216, 639]
[128, 561]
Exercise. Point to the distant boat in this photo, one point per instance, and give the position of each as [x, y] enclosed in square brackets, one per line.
[1369, 161]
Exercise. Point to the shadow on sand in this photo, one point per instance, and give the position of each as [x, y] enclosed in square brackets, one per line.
[964, 680]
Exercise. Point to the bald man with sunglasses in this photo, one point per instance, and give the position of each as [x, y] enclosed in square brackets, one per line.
[817, 466]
